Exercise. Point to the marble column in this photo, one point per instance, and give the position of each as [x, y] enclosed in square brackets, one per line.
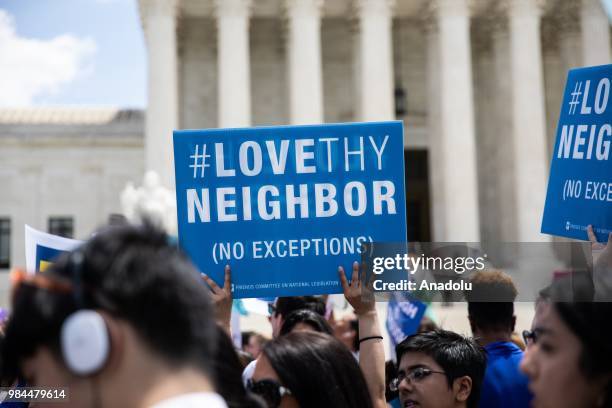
[159, 20]
[554, 79]
[457, 157]
[233, 62]
[503, 123]
[595, 33]
[436, 175]
[528, 123]
[304, 61]
[488, 137]
[375, 61]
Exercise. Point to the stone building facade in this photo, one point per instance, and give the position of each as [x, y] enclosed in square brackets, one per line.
[482, 82]
[63, 169]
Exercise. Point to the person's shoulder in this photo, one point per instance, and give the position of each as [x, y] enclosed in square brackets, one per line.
[248, 371]
[503, 347]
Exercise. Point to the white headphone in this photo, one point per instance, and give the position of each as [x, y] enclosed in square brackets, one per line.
[84, 336]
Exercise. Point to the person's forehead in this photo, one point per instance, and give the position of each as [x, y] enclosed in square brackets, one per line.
[550, 324]
[542, 309]
[417, 359]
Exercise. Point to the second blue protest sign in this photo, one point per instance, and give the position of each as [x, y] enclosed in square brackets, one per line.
[580, 182]
[285, 206]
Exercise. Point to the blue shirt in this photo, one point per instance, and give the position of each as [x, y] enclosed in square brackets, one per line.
[504, 386]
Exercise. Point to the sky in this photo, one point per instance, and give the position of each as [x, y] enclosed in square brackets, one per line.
[71, 52]
[75, 52]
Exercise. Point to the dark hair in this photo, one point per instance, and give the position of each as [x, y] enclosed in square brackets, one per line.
[492, 315]
[306, 316]
[427, 325]
[457, 355]
[490, 302]
[390, 375]
[286, 305]
[131, 273]
[228, 375]
[318, 370]
[245, 337]
[590, 322]
[354, 325]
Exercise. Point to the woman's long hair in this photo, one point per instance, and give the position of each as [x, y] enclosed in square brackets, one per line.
[228, 375]
[318, 370]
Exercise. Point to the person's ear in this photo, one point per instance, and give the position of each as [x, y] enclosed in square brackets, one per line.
[462, 388]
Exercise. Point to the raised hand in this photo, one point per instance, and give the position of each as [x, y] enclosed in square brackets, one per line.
[222, 298]
[355, 293]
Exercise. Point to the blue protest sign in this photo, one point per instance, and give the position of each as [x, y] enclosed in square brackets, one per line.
[285, 206]
[580, 183]
[403, 317]
[41, 248]
[45, 256]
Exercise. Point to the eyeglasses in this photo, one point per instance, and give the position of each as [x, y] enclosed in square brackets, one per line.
[271, 309]
[416, 375]
[530, 337]
[269, 390]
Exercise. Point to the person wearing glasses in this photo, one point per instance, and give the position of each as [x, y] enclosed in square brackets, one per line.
[279, 311]
[568, 359]
[439, 369]
[371, 366]
[309, 369]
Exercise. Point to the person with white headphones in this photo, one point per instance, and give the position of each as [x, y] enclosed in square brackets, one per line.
[123, 321]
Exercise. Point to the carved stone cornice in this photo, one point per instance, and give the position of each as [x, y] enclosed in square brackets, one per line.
[372, 7]
[360, 9]
[522, 7]
[299, 8]
[452, 7]
[432, 10]
[233, 8]
[302, 8]
[156, 8]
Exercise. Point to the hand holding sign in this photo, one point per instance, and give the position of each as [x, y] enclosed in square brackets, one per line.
[580, 183]
[371, 351]
[222, 298]
[602, 266]
[284, 205]
[361, 299]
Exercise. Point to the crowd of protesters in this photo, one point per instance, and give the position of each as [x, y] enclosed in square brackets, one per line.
[127, 321]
